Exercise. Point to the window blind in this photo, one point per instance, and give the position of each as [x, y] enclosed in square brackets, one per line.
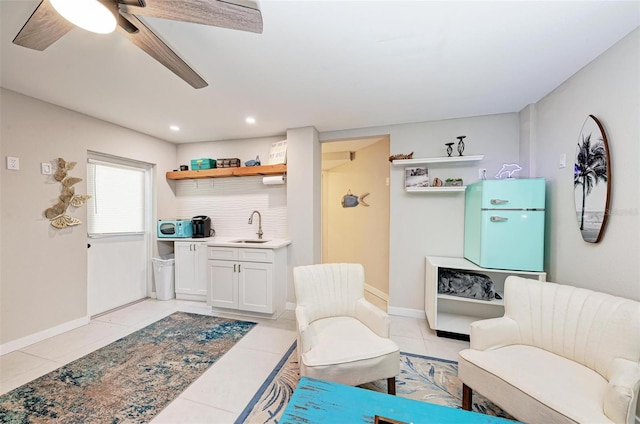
[117, 199]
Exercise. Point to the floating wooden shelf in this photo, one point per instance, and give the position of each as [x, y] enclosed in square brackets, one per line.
[243, 171]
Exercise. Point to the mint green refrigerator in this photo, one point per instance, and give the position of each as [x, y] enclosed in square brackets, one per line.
[504, 224]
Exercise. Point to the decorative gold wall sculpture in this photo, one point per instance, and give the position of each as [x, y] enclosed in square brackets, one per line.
[57, 213]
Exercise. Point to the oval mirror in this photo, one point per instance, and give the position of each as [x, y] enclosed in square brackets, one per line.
[592, 180]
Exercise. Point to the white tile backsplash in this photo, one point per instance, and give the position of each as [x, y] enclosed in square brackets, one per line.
[230, 201]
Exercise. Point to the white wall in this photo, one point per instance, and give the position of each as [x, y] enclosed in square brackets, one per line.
[433, 224]
[44, 270]
[303, 199]
[230, 201]
[608, 88]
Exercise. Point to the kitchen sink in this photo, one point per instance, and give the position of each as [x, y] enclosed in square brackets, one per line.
[250, 241]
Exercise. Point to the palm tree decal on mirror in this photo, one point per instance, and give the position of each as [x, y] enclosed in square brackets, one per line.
[591, 168]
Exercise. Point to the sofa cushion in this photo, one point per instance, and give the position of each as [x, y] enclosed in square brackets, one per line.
[565, 386]
[343, 340]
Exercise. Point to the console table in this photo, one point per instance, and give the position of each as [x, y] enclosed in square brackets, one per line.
[320, 401]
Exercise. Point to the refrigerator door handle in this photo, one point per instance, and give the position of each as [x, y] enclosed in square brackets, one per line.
[498, 201]
[498, 219]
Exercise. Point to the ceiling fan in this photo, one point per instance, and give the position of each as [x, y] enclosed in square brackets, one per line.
[46, 25]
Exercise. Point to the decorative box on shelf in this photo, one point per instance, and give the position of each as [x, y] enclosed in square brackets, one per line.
[453, 182]
[205, 163]
[229, 163]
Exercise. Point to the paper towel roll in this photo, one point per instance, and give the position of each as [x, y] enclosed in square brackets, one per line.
[273, 180]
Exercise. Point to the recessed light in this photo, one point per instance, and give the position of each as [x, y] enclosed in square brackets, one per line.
[250, 120]
[174, 128]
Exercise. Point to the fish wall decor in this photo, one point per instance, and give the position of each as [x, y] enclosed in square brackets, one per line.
[351, 201]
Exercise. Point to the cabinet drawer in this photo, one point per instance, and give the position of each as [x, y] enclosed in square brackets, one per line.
[255, 255]
[222, 253]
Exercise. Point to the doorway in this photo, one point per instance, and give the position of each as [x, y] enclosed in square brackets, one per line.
[118, 224]
[358, 233]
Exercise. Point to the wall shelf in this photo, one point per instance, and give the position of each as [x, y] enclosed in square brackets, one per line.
[444, 160]
[449, 189]
[242, 171]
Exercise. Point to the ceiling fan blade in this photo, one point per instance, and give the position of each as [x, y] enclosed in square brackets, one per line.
[156, 48]
[243, 15]
[43, 28]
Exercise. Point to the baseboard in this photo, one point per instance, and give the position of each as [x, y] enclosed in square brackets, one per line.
[406, 312]
[42, 335]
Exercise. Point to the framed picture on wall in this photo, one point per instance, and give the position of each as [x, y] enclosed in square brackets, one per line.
[592, 180]
[416, 177]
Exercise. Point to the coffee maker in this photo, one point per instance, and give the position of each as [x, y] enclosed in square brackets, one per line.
[202, 227]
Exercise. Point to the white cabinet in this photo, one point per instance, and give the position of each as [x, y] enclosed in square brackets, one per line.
[250, 280]
[191, 278]
[452, 314]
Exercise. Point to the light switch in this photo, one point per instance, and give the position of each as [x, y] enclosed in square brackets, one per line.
[13, 163]
[45, 168]
[563, 161]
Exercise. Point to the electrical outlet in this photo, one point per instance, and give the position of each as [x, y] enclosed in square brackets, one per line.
[482, 173]
[13, 163]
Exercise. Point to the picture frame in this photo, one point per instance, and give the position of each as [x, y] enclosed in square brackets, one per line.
[592, 180]
[278, 153]
[416, 177]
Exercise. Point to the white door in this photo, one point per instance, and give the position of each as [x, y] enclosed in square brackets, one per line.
[117, 272]
[118, 221]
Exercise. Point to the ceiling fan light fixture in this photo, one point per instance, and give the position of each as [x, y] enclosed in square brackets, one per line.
[87, 14]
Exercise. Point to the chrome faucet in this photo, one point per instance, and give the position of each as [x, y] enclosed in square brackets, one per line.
[259, 233]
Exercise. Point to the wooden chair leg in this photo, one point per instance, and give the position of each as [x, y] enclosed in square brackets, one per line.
[467, 394]
[391, 385]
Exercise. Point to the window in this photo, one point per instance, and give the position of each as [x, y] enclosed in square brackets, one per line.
[117, 203]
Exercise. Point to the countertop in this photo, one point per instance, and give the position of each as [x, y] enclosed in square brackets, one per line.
[270, 243]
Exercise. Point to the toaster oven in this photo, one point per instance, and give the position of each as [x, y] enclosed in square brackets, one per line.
[177, 228]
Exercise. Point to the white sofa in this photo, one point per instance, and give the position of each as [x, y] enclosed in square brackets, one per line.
[560, 354]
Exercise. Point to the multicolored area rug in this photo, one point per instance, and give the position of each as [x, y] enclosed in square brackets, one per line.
[421, 378]
[130, 380]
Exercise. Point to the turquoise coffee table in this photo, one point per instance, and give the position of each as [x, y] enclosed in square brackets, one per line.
[323, 402]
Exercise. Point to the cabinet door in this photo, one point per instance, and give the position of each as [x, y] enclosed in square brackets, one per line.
[201, 279]
[256, 287]
[223, 284]
[185, 265]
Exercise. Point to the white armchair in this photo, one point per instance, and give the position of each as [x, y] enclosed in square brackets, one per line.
[341, 336]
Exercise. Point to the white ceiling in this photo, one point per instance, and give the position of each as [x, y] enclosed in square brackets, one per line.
[329, 64]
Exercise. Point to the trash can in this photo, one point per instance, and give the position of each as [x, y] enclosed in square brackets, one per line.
[164, 273]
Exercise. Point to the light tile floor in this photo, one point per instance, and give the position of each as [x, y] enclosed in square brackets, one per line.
[223, 391]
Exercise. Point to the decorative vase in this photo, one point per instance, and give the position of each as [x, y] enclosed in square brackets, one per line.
[461, 144]
[449, 148]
